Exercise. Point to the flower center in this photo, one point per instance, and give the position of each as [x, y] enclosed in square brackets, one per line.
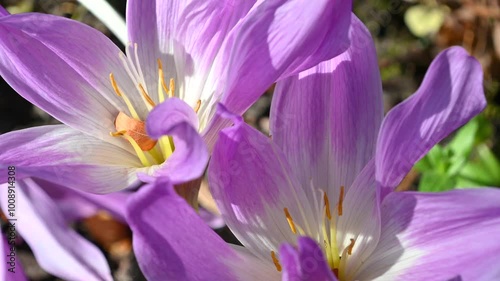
[130, 126]
[327, 236]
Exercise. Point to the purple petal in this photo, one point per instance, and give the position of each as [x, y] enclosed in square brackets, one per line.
[252, 184]
[186, 35]
[175, 118]
[3, 12]
[218, 122]
[307, 263]
[10, 267]
[43, 227]
[52, 62]
[275, 39]
[68, 157]
[215, 221]
[326, 119]
[450, 95]
[168, 114]
[438, 236]
[171, 241]
[75, 204]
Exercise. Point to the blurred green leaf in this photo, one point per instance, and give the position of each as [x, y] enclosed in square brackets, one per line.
[484, 172]
[489, 161]
[435, 182]
[466, 161]
[463, 142]
[435, 160]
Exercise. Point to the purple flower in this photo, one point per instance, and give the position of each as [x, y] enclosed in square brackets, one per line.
[184, 57]
[316, 201]
[42, 214]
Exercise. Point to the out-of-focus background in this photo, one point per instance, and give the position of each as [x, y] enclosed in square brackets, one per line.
[408, 35]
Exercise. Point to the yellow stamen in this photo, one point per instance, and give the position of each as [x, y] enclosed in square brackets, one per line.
[341, 200]
[123, 96]
[162, 86]
[146, 96]
[197, 106]
[349, 248]
[118, 134]
[327, 206]
[142, 157]
[166, 145]
[290, 221]
[171, 88]
[276, 261]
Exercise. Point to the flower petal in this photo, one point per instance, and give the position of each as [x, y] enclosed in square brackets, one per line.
[189, 160]
[75, 204]
[41, 224]
[10, 268]
[166, 238]
[68, 157]
[360, 221]
[326, 119]
[438, 236]
[251, 268]
[450, 95]
[185, 35]
[252, 184]
[307, 263]
[169, 113]
[3, 12]
[275, 39]
[52, 62]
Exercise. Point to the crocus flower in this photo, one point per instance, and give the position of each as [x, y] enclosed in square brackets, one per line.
[316, 201]
[42, 214]
[184, 57]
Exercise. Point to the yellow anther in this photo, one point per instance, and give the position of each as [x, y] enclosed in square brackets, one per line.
[146, 96]
[117, 134]
[327, 206]
[162, 86]
[341, 200]
[290, 221]
[171, 88]
[115, 85]
[197, 106]
[123, 96]
[349, 248]
[276, 261]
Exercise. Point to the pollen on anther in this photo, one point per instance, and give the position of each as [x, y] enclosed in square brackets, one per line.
[160, 75]
[197, 106]
[118, 134]
[349, 248]
[327, 206]
[276, 261]
[146, 96]
[290, 221]
[171, 88]
[341, 200]
[114, 85]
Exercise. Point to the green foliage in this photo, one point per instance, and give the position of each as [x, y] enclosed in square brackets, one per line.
[466, 161]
